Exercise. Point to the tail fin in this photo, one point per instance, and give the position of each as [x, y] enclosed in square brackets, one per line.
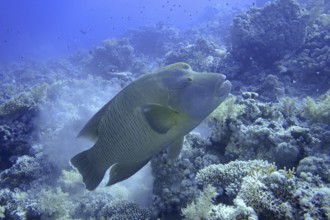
[92, 175]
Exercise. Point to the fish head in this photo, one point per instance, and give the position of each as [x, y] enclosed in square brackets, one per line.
[195, 94]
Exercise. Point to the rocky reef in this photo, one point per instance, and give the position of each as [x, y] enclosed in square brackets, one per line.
[263, 36]
[262, 154]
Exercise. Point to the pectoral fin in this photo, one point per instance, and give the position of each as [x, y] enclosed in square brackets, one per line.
[160, 118]
[175, 148]
[121, 171]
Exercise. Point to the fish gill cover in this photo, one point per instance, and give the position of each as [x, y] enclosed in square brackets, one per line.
[262, 154]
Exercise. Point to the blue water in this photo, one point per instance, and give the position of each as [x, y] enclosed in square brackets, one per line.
[39, 28]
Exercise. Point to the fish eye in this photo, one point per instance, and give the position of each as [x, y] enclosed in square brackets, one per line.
[184, 82]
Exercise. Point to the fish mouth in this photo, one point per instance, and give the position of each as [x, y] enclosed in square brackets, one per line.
[223, 88]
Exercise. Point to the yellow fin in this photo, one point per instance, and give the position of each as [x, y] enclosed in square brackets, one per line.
[160, 118]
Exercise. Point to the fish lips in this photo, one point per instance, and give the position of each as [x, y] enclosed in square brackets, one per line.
[222, 89]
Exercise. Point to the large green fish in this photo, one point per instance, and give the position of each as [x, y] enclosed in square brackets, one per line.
[150, 114]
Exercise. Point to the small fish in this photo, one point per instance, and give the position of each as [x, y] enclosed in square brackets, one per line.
[150, 114]
[82, 31]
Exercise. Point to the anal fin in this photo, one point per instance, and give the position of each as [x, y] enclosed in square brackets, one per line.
[121, 171]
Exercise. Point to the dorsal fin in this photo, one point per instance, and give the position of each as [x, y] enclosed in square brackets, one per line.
[91, 129]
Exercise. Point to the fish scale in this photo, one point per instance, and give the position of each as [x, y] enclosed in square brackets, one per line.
[125, 127]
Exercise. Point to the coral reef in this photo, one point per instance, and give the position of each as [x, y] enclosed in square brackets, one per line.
[2, 210]
[13, 203]
[202, 55]
[265, 200]
[49, 204]
[154, 41]
[227, 110]
[113, 58]
[317, 111]
[262, 154]
[174, 184]
[318, 166]
[102, 205]
[277, 195]
[27, 101]
[264, 192]
[53, 203]
[262, 55]
[230, 176]
[259, 131]
[25, 170]
[263, 36]
[310, 66]
[201, 208]
[71, 182]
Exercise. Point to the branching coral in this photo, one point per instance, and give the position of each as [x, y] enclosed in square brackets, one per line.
[318, 111]
[230, 176]
[237, 211]
[289, 107]
[2, 212]
[257, 194]
[54, 204]
[263, 132]
[101, 205]
[71, 181]
[262, 190]
[278, 194]
[228, 110]
[204, 208]
[122, 209]
[13, 203]
[200, 208]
